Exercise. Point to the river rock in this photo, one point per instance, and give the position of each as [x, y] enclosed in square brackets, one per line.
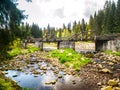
[73, 82]
[36, 72]
[107, 88]
[53, 81]
[111, 63]
[44, 68]
[105, 70]
[15, 75]
[35, 75]
[47, 83]
[59, 76]
[99, 84]
[113, 82]
[116, 88]
[100, 66]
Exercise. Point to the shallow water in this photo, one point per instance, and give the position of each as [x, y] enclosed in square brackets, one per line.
[27, 79]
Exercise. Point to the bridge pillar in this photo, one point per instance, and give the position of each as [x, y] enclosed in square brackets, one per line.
[66, 44]
[39, 45]
[102, 45]
[58, 45]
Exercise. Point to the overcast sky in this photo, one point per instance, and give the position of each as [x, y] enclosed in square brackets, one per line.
[57, 12]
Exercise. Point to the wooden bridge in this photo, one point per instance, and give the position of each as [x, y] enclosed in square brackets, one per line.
[106, 42]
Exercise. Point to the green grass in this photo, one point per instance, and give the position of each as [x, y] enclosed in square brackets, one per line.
[70, 58]
[116, 53]
[32, 49]
[17, 51]
[7, 84]
[112, 53]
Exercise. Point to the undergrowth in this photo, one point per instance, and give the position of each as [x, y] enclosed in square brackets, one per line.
[70, 58]
[112, 52]
[17, 51]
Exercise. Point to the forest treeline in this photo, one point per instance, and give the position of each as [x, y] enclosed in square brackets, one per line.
[104, 21]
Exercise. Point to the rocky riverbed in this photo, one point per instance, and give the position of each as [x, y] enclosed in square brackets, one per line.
[103, 73]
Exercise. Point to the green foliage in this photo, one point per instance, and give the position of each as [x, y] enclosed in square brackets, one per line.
[112, 53]
[117, 53]
[32, 49]
[14, 52]
[10, 19]
[17, 51]
[107, 20]
[16, 43]
[36, 32]
[6, 84]
[108, 51]
[70, 58]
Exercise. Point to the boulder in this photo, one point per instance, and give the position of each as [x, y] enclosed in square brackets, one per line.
[107, 88]
[113, 82]
[105, 70]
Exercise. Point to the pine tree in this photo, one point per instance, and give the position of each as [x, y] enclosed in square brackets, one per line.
[91, 25]
[117, 21]
[111, 18]
[83, 28]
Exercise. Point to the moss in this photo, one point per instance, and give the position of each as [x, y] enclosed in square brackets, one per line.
[7, 84]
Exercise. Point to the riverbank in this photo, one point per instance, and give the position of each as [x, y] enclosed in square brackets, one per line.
[7, 84]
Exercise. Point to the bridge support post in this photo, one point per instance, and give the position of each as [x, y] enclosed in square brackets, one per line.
[100, 45]
[58, 45]
[66, 44]
[39, 45]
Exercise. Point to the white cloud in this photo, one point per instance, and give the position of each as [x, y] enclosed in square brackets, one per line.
[57, 12]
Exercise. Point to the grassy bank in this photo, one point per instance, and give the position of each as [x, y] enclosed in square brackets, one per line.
[7, 84]
[6, 54]
[70, 58]
[18, 50]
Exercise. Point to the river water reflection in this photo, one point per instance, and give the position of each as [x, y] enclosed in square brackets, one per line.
[27, 79]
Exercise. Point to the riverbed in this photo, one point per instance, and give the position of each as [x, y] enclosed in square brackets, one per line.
[38, 74]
